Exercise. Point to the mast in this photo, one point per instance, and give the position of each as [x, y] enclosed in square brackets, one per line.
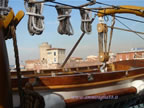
[6, 23]
[5, 85]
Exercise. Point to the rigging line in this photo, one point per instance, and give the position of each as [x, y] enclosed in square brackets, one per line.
[115, 6]
[129, 19]
[18, 70]
[126, 30]
[129, 28]
[50, 5]
[75, 7]
[83, 8]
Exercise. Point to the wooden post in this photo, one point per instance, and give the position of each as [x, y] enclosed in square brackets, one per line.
[73, 49]
[5, 85]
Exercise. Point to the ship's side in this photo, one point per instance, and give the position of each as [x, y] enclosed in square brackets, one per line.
[78, 89]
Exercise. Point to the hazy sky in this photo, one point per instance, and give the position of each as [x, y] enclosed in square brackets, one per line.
[29, 45]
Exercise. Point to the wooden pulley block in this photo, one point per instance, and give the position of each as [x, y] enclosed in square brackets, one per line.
[105, 28]
[103, 57]
[106, 56]
[102, 27]
[99, 27]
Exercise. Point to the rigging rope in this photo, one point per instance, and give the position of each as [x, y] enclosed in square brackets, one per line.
[86, 17]
[13, 32]
[4, 9]
[28, 97]
[36, 20]
[65, 26]
[105, 40]
[111, 33]
[130, 29]
[75, 7]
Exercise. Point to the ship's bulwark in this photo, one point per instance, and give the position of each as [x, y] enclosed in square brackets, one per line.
[109, 101]
[127, 101]
[77, 89]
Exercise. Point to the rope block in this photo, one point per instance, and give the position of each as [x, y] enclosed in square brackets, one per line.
[103, 57]
[102, 28]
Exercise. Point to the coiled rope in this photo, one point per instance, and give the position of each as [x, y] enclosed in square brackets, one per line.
[32, 99]
[65, 26]
[4, 9]
[35, 20]
[86, 17]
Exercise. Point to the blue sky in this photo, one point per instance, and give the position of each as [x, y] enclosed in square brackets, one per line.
[29, 45]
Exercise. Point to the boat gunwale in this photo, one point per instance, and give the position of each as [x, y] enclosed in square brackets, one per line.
[89, 84]
[79, 73]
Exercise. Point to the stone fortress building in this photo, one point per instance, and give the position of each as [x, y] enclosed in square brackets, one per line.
[50, 58]
[51, 55]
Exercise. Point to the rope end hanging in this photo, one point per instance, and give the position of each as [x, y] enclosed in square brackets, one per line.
[50, 0]
[65, 26]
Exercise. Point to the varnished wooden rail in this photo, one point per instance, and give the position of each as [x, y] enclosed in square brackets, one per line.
[75, 102]
[78, 81]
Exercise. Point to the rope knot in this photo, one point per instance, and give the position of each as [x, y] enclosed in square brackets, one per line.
[63, 17]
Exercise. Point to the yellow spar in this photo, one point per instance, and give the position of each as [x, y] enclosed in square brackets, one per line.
[139, 11]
